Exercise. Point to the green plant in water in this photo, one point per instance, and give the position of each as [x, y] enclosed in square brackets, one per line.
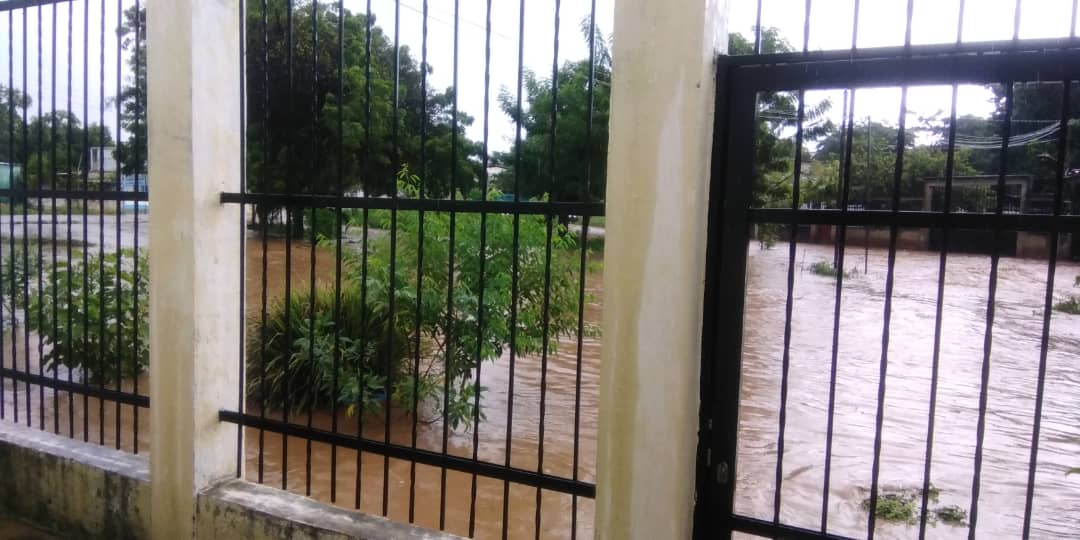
[827, 269]
[896, 507]
[432, 340]
[12, 278]
[1070, 305]
[99, 325]
[951, 514]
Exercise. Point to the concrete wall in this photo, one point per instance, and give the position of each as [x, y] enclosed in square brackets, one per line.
[89, 492]
[84, 490]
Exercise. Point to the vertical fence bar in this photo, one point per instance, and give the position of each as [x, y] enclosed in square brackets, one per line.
[289, 169]
[485, 160]
[890, 281]
[338, 225]
[140, 110]
[264, 230]
[314, 239]
[70, 261]
[366, 188]
[84, 171]
[950, 161]
[988, 339]
[241, 366]
[1051, 269]
[546, 307]
[54, 241]
[841, 242]
[26, 225]
[392, 325]
[515, 270]
[590, 110]
[793, 231]
[414, 393]
[10, 97]
[119, 215]
[40, 237]
[449, 338]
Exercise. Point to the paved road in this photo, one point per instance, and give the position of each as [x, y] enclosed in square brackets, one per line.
[56, 227]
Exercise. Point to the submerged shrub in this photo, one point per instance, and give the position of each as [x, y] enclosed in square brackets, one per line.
[429, 341]
[100, 325]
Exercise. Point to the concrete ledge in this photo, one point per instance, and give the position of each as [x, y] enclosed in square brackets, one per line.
[87, 491]
[83, 490]
[239, 509]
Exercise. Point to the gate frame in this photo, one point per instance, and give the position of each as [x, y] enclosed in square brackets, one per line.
[738, 80]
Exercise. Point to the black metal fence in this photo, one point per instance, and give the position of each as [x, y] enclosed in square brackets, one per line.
[420, 303]
[849, 396]
[72, 229]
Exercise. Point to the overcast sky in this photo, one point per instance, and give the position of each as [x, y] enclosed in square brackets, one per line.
[881, 24]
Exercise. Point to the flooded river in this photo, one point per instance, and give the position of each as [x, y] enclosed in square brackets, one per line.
[1011, 400]
[1009, 416]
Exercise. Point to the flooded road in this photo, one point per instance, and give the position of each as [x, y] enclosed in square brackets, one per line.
[559, 448]
[334, 472]
[1011, 400]
[337, 473]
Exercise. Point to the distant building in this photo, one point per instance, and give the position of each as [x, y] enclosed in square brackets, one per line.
[100, 159]
[9, 174]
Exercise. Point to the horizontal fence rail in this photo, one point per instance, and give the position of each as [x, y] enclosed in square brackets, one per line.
[73, 188]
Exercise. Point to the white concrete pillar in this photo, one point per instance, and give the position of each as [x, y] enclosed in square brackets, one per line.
[663, 91]
[194, 104]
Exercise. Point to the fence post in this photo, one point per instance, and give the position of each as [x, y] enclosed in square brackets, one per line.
[194, 112]
[663, 91]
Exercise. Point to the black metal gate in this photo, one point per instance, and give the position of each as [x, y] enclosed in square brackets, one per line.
[736, 213]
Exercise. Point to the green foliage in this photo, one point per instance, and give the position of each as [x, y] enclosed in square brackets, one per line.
[827, 269]
[291, 359]
[1070, 305]
[433, 350]
[902, 506]
[132, 152]
[93, 326]
[293, 131]
[896, 507]
[12, 277]
[951, 514]
[575, 162]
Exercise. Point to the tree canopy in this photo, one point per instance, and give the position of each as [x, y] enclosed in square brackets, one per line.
[563, 150]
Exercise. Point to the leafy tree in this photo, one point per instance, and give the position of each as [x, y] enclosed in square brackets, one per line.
[132, 152]
[293, 114]
[58, 147]
[13, 102]
[573, 166]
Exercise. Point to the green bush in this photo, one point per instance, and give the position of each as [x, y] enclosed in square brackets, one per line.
[75, 339]
[897, 507]
[13, 275]
[451, 341]
[295, 367]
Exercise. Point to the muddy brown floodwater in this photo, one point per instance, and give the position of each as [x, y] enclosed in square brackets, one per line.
[333, 471]
[1011, 399]
[1011, 403]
